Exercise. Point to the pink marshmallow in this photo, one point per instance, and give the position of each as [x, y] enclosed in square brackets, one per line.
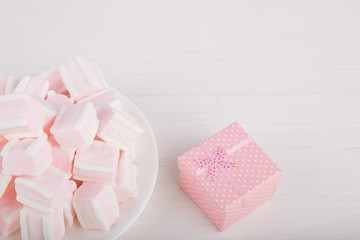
[22, 115]
[95, 206]
[4, 178]
[54, 78]
[69, 211]
[125, 183]
[34, 86]
[58, 100]
[63, 157]
[98, 162]
[7, 84]
[44, 192]
[9, 212]
[37, 225]
[27, 156]
[103, 98]
[82, 77]
[75, 125]
[118, 127]
[51, 112]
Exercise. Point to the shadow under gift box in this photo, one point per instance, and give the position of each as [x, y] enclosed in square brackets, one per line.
[228, 175]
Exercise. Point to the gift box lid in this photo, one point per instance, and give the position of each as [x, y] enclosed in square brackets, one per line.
[252, 166]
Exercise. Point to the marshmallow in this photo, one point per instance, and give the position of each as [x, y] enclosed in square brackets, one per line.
[4, 178]
[118, 127]
[125, 183]
[82, 78]
[34, 86]
[7, 84]
[63, 157]
[75, 125]
[37, 225]
[54, 78]
[58, 100]
[22, 115]
[98, 162]
[103, 98]
[95, 206]
[51, 112]
[27, 156]
[4, 182]
[9, 212]
[69, 211]
[44, 192]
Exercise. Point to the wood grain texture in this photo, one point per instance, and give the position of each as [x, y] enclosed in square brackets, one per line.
[288, 71]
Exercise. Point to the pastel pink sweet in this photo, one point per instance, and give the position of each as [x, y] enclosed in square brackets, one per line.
[117, 126]
[254, 174]
[7, 84]
[125, 183]
[44, 192]
[103, 98]
[36, 225]
[17, 118]
[75, 125]
[58, 100]
[34, 86]
[82, 77]
[63, 157]
[3, 141]
[54, 78]
[69, 211]
[5, 179]
[95, 206]
[9, 213]
[98, 162]
[27, 156]
[51, 112]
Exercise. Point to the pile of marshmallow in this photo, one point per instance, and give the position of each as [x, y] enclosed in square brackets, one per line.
[66, 151]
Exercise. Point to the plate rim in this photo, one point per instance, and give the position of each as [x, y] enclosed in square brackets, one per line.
[153, 184]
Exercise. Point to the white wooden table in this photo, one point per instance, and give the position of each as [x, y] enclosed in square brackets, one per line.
[288, 71]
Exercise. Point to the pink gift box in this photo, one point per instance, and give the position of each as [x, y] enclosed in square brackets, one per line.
[228, 175]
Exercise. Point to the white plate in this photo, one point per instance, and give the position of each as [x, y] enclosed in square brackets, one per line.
[146, 159]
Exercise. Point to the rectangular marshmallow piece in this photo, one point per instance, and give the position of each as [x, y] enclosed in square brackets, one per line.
[75, 125]
[69, 211]
[17, 118]
[4, 182]
[7, 84]
[98, 162]
[95, 206]
[26, 156]
[44, 192]
[63, 157]
[36, 225]
[54, 78]
[34, 86]
[58, 100]
[82, 78]
[125, 183]
[9, 212]
[118, 127]
[4, 178]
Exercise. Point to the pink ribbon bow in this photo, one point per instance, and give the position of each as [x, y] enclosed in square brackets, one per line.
[214, 162]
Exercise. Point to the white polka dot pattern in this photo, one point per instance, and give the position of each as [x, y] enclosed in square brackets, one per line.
[254, 172]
